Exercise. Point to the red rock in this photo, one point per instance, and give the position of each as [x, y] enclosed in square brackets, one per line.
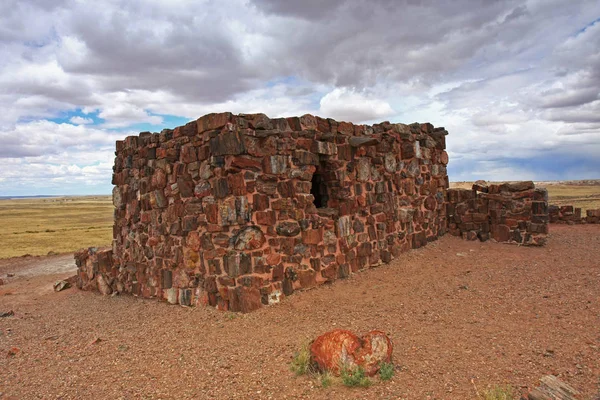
[444, 158]
[188, 154]
[308, 121]
[244, 299]
[249, 238]
[376, 349]
[307, 278]
[273, 258]
[245, 163]
[193, 240]
[213, 121]
[333, 349]
[312, 236]
[103, 286]
[342, 348]
[267, 218]
[236, 184]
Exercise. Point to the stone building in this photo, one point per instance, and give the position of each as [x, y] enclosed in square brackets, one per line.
[237, 211]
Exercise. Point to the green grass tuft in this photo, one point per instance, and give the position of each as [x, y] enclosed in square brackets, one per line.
[386, 371]
[301, 364]
[326, 379]
[354, 377]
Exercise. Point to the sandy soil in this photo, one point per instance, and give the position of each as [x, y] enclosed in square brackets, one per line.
[29, 266]
[461, 315]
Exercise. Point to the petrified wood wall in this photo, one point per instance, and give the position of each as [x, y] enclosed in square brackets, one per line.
[572, 215]
[507, 212]
[236, 211]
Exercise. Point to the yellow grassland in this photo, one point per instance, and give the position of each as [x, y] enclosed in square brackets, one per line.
[65, 224]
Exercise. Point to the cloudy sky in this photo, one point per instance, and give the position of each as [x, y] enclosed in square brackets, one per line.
[516, 83]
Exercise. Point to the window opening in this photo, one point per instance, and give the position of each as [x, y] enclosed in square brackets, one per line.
[319, 190]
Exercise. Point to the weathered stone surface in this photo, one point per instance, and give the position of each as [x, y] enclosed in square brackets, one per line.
[227, 143]
[376, 349]
[363, 169]
[302, 157]
[288, 228]
[103, 286]
[343, 226]
[61, 285]
[213, 121]
[325, 148]
[249, 238]
[480, 186]
[408, 150]
[117, 198]
[202, 189]
[342, 349]
[552, 388]
[276, 164]
[358, 141]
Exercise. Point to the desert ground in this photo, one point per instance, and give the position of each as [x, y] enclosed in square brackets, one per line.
[463, 316]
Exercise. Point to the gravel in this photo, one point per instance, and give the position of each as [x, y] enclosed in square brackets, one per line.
[462, 315]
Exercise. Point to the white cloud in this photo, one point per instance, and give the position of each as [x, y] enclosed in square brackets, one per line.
[351, 105]
[51, 158]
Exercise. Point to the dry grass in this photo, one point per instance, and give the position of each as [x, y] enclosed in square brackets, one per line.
[499, 393]
[38, 226]
[585, 195]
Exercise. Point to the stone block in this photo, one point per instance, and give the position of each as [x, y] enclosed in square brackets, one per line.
[302, 157]
[363, 141]
[288, 229]
[326, 148]
[227, 143]
[276, 164]
[312, 236]
[408, 150]
[213, 121]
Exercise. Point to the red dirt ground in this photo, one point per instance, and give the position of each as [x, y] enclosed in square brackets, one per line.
[462, 315]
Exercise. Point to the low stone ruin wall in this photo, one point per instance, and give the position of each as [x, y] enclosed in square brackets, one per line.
[572, 215]
[237, 211]
[593, 216]
[507, 213]
[95, 270]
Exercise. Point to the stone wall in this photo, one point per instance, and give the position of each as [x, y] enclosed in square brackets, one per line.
[572, 215]
[592, 216]
[237, 211]
[508, 213]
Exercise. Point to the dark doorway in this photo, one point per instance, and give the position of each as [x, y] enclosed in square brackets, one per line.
[319, 190]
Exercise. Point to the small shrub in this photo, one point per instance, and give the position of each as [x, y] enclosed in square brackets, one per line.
[301, 364]
[499, 393]
[386, 371]
[354, 377]
[230, 316]
[326, 379]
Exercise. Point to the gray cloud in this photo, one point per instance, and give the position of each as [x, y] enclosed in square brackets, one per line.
[508, 77]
